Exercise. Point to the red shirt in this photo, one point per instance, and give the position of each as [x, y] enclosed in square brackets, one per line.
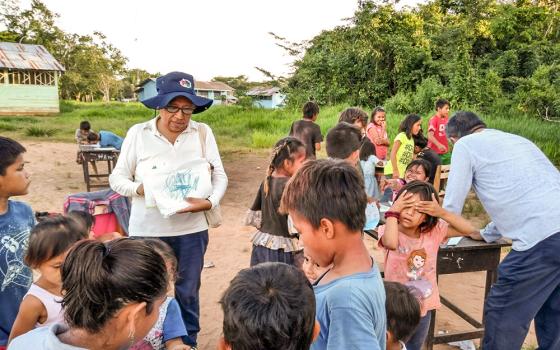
[437, 126]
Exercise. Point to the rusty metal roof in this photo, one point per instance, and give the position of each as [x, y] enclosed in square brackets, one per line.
[25, 56]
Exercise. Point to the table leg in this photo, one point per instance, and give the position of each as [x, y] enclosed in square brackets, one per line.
[430, 339]
[85, 167]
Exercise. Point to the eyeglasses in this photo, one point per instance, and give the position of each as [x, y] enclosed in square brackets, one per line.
[184, 110]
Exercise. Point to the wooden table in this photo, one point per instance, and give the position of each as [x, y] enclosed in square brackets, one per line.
[467, 256]
[93, 156]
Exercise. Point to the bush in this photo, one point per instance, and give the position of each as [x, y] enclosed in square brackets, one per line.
[401, 103]
[427, 93]
[35, 131]
[540, 95]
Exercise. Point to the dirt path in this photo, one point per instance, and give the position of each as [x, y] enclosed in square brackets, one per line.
[55, 174]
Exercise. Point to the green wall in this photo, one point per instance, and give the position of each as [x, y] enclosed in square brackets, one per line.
[28, 99]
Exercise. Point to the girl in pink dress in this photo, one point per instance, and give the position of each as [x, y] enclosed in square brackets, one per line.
[376, 131]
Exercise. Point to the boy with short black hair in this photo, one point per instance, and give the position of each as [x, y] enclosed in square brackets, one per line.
[403, 315]
[269, 306]
[82, 132]
[327, 202]
[106, 139]
[343, 142]
[437, 139]
[307, 131]
[16, 221]
[422, 151]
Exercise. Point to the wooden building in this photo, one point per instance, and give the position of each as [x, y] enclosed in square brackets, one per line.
[29, 77]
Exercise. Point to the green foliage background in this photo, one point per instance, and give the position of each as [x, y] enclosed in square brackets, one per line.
[499, 57]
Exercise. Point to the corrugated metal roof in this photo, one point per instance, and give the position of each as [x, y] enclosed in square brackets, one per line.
[263, 91]
[25, 56]
[212, 85]
[198, 85]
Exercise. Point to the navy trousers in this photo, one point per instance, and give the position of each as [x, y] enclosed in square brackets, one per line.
[189, 250]
[418, 338]
[528, 287]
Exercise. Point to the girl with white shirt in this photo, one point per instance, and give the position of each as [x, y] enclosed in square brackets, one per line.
[49, 243]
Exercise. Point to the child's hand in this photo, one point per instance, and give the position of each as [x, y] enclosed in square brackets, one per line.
[405, 200]
[431, 208]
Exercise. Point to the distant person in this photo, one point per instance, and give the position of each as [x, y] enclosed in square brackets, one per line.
[81, 134]
[49, 243]
[327, 203]
[415, 227]
[520, 189]
[358, 118]
[368, 163]
[403, 315]
[269, 306]
[307, 131]
[106, 139]
[343, 142]
[273, 241]
[376, 131]
[402, 152]
[112, 295]
[16, 222]
[422, 151]
[417, 170]
[355, 116]
[437, 139]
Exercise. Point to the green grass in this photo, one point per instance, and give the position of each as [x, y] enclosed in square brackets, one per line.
[237, 128]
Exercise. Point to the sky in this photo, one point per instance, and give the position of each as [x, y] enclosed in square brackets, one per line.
[204, 38]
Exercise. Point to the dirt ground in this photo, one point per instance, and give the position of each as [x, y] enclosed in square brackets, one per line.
[55, 174]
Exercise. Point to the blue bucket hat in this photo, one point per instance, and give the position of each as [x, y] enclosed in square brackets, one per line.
[176, 84]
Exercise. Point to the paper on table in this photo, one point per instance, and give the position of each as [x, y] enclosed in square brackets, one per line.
[454, 241]
[372, 216]
[168, 190]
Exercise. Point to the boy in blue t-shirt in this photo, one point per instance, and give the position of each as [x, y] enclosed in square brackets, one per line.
[327, 203]
[16, 221]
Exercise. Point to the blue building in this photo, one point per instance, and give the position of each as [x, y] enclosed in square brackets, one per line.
[267, 97]
[220, 92]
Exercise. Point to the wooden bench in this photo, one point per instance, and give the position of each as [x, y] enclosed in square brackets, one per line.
[93, 156]
[440, 179]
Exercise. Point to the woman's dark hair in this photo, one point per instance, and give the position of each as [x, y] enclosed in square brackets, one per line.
[403, 311]
[463, 123]
[85, 125]
[424, 164]
[407, 123]
[351, 114]
[310, 109]
[51, 238]
[9, 151]
[84, 218]
[99, 279]
[376, 110]
[284, 149]
[425, 191]
[420, 141]
[165, 251]
[269, 306]
[367, 149]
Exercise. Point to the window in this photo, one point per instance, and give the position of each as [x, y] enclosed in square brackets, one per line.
[29, 77]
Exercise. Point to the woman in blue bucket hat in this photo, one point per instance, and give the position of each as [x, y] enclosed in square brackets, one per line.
[172, 138]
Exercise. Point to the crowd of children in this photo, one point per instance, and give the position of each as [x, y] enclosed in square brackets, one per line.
[310, 216]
